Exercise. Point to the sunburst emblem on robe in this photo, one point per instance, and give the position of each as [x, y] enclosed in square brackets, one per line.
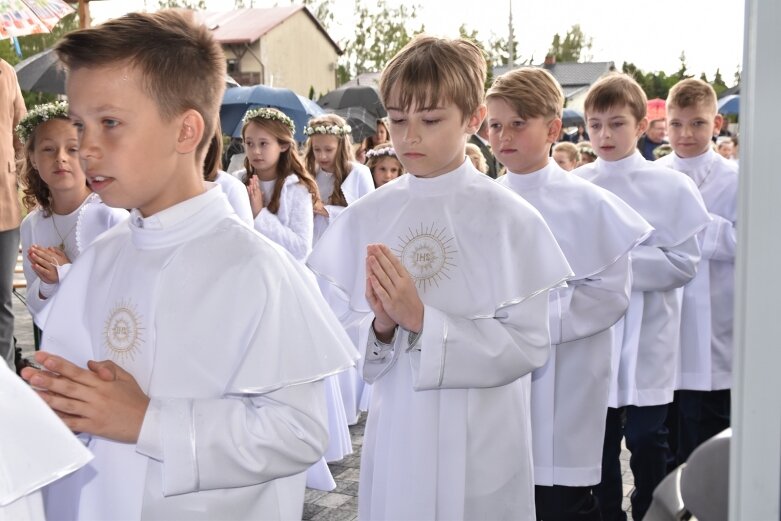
[428, 254]
[123, 333]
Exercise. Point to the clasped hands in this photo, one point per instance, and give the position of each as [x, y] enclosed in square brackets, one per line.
[44, 262]
[391, 293]
[103, 400]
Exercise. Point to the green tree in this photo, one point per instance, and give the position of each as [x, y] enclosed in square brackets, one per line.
[198, 5]
[682, 73]
[380, 32]
[718, 83]
[573, 48]
[322, 10]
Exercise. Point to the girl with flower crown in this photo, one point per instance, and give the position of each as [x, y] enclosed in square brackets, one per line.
[340, 178]
[383, 164]
[282, 194]
[64, 215]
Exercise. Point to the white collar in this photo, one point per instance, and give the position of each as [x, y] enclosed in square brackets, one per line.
[450, 181]
[634, 161]
[531, 180]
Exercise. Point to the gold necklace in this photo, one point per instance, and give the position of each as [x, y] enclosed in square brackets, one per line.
[62, 239]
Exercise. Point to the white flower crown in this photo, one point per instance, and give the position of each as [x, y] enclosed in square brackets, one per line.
[38, 115]
[384, 151]
[332, 130]
[272, 114]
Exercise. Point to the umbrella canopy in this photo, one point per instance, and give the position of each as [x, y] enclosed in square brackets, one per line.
[312, 108]
[572, 118]
[729, 105]
[42, 73]
[363, 96]
[362, 122]
[238, 100]
[656, 109]
[23, 17]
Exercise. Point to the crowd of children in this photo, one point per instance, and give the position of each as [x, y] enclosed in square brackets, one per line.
[211, 349]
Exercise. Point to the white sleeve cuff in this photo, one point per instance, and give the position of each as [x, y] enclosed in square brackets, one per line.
[150, 441]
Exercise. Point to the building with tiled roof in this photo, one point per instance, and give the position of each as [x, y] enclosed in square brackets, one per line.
[277, 46]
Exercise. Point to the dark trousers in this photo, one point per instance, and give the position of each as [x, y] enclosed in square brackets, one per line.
[559, 503]
[701, 415]
[646, 439]
[9, 249]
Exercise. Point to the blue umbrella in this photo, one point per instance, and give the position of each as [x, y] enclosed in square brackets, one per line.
[238, 100]
[729, 105]
[312, 109]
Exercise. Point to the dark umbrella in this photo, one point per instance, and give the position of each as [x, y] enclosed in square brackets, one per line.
[237, 101]
[362, 122]
[364, 96]
[572, 118]
[42, 73]
[729, 105]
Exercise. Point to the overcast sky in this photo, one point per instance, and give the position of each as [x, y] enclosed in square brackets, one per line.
[649, 34]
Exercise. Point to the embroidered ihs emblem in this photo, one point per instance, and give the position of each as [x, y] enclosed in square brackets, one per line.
[428, 253]
[123, 334]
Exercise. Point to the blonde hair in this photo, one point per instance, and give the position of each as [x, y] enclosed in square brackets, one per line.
[476, 156]
[289, 162]
[344, 156]
[373, 160]
[531, 91]
[692, 92]
[167, 47]
[568, 148]
[617, 90]
[430, 71]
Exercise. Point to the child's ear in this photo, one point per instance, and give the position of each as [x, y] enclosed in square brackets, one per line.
[191, 128]
[476, 119]
[717, 121]
[642, 126]
[285, 147]
[554, 129]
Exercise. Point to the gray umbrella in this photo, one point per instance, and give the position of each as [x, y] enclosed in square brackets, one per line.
[42, 73]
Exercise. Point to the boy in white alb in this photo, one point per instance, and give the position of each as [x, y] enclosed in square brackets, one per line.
[208, 401]
[646, 351]
[705, 374]
[448, 344]
[596, 230]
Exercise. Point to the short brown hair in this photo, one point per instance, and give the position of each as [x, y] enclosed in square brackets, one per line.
[692, 92]
[617, 90]
[531, 91]
[169, 48]
[429, 71]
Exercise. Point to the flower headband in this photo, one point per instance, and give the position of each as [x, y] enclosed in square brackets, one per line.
[587, 150]
[38, 115]
[378, 152]
[272, 114]
[333, 130]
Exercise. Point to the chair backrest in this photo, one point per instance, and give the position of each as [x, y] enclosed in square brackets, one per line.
[667, 503]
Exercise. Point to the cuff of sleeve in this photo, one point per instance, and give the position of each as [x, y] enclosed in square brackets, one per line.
[376, 349]
[150, 442]
[556, 308]
[46, 290]
[711, 236]
[429, 363]
[175, 440]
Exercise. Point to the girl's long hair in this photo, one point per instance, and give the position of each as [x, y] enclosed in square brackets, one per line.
[342, 162]
[289, 161]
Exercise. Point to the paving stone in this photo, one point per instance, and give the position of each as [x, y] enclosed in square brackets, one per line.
[310, 510]
[313, 495]
[335, 514]
[333, 500]
[349, 488]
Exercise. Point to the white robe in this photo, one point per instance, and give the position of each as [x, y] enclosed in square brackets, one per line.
[237, 195]
[36, 448]
[229, 338]
[596, 230]
[645, 356]
[92, 218]
[707, 314]
[358, 183]
[448, 435]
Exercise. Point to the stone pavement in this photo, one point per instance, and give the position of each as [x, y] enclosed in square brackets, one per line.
[341, 504]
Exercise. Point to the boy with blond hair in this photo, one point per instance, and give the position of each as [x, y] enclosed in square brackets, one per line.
[705, 373]
[187, 419]
[647, 339]
[448, 344]
[596, 230]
